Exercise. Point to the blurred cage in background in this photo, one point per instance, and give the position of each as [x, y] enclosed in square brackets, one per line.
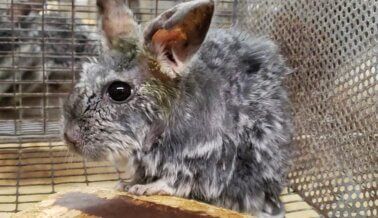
[332, 45]
[41, 48]
[40, 52]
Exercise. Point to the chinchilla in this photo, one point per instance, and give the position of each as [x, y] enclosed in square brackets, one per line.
[186, 111]
[25, 35]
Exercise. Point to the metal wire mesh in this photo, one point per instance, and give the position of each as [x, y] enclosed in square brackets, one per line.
[42, 45]
[331, 44]
[333, 47]
[41, 48]
[30, 171]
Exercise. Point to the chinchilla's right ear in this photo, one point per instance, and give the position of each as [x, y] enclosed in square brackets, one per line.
[19, 10]
[120, 29]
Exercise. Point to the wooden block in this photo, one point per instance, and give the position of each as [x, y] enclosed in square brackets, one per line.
[99, 202]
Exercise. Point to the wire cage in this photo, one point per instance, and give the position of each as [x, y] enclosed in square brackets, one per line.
[332, 46]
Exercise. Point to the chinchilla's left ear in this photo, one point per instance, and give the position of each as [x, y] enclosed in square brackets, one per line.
[118, 24]
[176, 35]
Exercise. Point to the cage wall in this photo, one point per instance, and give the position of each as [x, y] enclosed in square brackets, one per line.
[42, 47]
[333, 48]
[331, 45]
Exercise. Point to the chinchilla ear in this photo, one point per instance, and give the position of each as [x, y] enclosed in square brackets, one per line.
[23, 8]
[118, 24]
[178, 33]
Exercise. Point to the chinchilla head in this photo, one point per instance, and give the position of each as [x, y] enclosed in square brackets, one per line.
[124, 95]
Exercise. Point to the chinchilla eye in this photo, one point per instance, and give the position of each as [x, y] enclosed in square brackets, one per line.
[119, 91]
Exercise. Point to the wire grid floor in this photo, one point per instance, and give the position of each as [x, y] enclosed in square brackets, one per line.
[30, 171]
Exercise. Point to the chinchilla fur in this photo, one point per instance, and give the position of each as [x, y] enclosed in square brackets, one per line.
[217, 131]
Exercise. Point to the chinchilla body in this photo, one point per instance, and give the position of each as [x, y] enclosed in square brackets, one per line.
[226, 136]
[208, 122]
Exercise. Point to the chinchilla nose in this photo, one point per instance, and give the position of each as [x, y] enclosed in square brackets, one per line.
[72, 134]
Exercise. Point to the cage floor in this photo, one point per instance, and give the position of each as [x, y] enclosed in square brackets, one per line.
[29, 172]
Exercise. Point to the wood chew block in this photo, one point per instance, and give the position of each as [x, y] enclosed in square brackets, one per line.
[98, 202]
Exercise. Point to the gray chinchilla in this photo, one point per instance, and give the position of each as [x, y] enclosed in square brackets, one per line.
[187, 111]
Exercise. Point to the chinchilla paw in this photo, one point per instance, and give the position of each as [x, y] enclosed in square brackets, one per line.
[155, 188]
[122, 186]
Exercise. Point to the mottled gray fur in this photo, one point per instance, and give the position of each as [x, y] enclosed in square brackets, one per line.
[220, 133]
